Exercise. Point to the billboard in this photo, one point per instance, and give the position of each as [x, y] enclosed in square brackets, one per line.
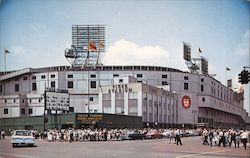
[57, 100]
[186, 51]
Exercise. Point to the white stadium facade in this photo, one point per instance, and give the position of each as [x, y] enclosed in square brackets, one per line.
[162, 96]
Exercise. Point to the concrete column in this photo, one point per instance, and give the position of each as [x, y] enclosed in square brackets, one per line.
[125, 103]
[112, 103]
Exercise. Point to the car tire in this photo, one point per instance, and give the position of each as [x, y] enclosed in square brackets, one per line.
[13, 145]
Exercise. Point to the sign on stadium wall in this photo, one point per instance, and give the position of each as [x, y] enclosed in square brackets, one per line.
[186, 101]
[57, 99]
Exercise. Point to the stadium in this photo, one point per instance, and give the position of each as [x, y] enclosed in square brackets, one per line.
[161, 96]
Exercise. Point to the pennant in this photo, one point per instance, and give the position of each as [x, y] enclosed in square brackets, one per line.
[200, 50]
[6, 51]
[92, 46]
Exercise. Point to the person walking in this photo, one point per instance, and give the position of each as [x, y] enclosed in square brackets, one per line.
[211, 136]
[205, 137]
[178, 137]
[171, 135]
[233, 138]
[238, 138]
[244, 136]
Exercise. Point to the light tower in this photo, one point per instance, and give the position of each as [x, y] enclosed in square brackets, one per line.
[88, 41]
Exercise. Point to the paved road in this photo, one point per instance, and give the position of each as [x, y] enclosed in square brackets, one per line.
[191, 148]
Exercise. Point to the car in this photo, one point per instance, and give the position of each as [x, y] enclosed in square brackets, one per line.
[22, 137]
[154, 134]
[166, 133]
[136, 135]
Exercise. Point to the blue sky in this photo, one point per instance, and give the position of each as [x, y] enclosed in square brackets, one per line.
[151, 32]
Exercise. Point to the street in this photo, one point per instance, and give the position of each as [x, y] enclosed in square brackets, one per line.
[121, 149]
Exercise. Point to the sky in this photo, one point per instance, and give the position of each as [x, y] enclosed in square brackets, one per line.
[148, 32]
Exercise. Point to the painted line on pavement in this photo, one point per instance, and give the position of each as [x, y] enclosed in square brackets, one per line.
[204, 153]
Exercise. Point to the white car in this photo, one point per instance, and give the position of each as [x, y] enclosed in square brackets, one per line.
[22, 137]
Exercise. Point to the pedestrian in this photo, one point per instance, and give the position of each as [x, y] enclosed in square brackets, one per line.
[178, 137]
[233, 138]
[205, 137]
[244, 136]
[3, 134]
[211, 136]
[222, 138]
[238, 138]
[171, 135]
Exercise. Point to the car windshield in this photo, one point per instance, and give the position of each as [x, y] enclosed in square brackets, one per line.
[23, 133]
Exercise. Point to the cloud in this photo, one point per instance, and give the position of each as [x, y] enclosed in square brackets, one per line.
[18, 50]
[243, 46]
[125, 52]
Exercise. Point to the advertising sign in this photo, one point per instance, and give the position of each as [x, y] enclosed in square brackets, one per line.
[186, 102]
[57, 100]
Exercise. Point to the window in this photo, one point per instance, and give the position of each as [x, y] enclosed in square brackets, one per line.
[203, 99]
[115, 75]
[23, 100]
[14, 100]
[16, 87]
[164, 83]
[120, 80]
[33, 77]
[43, 77]
[23, 111]
[53, 84]
[164, 76]
[91, 99]
[1, 88]
[202, 79]
[185, 77]
[30, 111]
[92, 84]
[70, 76]
[5, 111]
[16, 79]
[5, 100]
[33, 86]
[25, 78]
[139, 75]
[202, 88]
[70, 84]
[92, 76]
[52, 76]
[185, 86]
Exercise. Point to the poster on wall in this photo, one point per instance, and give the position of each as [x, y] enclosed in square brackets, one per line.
[186, 101]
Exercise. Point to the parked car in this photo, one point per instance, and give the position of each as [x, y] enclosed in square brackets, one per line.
[22, 137]
[125, 135]
[137, 135]
[154, 134]
[166, 133]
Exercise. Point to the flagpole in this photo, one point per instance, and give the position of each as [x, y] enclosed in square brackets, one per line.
[4, 63]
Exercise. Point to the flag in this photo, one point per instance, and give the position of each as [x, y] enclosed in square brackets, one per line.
[200, 50]
[228, 69]
[92, 46]
[6, 51]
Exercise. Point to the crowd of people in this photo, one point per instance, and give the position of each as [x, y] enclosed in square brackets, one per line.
[212, 137]
[229, 137]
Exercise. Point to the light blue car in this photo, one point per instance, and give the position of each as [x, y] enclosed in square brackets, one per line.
[22, 137]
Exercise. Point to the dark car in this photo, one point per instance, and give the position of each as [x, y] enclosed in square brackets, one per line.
[136, 135]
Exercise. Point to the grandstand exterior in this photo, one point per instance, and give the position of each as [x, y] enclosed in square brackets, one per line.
[21, 94]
